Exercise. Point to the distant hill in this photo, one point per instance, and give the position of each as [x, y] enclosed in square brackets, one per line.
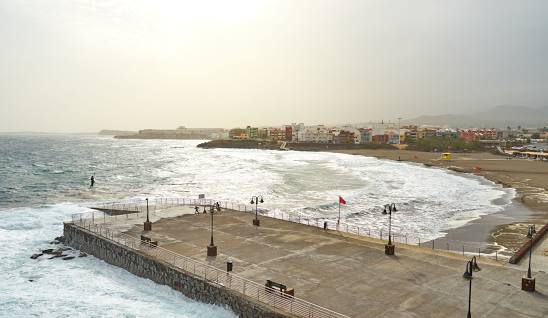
[107, 132]
[497, 117]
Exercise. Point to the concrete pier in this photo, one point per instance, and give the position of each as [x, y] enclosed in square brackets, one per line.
[350, 275]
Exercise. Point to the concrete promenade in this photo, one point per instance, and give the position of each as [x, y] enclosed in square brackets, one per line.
[348, 274]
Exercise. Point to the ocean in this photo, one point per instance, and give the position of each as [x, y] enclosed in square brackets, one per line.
[45, 178]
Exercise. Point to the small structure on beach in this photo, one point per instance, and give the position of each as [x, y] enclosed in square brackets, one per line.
[446, 156]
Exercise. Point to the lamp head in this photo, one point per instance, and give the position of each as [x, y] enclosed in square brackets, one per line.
[384, 212]
[531, 231]
[468, 273]
[394, 207]
[262, 201]
[252, 202]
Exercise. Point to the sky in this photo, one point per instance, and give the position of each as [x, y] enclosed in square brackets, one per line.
[84, 65]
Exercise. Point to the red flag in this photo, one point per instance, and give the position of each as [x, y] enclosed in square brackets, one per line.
[341, 200]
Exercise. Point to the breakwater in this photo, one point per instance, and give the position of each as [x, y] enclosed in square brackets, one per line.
[161, 272]
[301, 146]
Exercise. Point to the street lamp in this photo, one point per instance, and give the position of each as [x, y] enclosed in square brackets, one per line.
[211, 248]
[528, 283]
[388, 209]
[468, 275]
[256, 200]
[147, 226]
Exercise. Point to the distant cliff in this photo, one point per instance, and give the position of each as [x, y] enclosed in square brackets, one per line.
[108, 132]
[164, 136]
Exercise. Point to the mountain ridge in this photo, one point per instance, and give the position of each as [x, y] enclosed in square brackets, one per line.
[497, 117]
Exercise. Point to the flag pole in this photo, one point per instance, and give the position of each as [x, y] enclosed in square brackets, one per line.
[339, 220]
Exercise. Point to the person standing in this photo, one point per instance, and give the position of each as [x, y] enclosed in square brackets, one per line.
[92, 180]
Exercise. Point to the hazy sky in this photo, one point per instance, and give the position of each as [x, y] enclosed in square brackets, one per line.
[72, 66]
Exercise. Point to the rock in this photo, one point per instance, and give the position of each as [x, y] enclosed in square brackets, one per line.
[31, 280]
[67, 258]
[82, 254]
[35, 256]
[47, 251]
[54, 242]
[58, 255]
[60, 239]
[65, 249]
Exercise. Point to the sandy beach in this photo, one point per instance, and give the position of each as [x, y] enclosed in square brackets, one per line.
[528, 177]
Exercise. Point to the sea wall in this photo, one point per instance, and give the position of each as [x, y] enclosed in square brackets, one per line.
[524, 249]
[163, 273]
[300, 146]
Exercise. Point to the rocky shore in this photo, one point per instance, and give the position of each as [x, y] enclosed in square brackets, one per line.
[272, 145]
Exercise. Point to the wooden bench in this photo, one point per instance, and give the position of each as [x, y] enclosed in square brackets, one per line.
[146, 239]
[283, 289]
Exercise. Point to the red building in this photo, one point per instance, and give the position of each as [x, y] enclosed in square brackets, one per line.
[380, 139]
[288, 133]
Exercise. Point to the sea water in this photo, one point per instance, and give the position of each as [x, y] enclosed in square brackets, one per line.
[45, 178]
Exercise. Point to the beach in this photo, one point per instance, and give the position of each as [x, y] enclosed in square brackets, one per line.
[528, 177]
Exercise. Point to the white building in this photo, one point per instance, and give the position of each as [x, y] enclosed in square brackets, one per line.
[315, 134]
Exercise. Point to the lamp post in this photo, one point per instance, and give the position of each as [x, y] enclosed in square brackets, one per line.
[468, 275]
[147, 226]
[256, 200]
[389, 248]
[211, 248]
[528, 283]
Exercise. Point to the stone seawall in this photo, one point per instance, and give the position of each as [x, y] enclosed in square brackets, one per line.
[163, 273]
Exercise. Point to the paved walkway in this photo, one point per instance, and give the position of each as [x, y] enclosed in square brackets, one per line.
[352, 275]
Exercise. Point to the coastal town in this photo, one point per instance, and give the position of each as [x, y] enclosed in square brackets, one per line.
[413, 137]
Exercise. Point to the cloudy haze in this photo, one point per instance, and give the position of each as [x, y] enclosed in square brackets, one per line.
[72, 66]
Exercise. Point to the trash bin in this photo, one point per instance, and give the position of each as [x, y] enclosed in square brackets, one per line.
[229, 266]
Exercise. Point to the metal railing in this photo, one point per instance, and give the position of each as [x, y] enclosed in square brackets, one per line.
[138, 207]
[210, 274]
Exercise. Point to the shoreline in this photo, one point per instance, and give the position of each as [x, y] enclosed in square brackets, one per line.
[508, 227]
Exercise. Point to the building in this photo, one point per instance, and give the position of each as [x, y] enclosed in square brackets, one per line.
[380, 138]
[295, 128]
[365, 135]
[288, 133]
[344, 137]
[238, 133]
[316, 135]
[277, 134]
[477, 134]
[252, 132]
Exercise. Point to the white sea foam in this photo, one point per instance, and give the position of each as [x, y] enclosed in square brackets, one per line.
[81, 287]
[430, 202]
